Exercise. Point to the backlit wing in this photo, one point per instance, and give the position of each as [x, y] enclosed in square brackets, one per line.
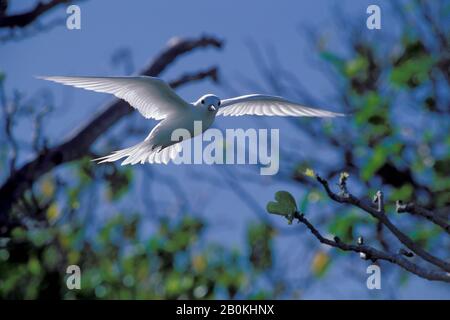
[152, 97]
[263, 105]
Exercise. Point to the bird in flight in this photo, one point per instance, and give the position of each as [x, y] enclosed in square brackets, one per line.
[154, 99]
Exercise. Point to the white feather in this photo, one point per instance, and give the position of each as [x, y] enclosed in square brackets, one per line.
[152, 97]
[143, 152]
[263, 105]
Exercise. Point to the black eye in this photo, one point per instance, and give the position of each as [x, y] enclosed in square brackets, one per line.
[218, 104]
[203, 101]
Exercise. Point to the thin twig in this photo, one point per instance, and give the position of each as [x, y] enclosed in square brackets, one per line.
[403, 238]
[414, 209]
[375, 254]
[9, 112]
[23, 19]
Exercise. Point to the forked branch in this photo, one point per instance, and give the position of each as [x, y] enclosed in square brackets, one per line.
[25, 18]
[379, 214]
[285, 205]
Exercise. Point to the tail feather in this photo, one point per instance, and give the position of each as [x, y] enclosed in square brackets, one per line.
[141, 153]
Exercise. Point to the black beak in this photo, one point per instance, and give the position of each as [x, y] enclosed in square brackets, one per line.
[212, 108]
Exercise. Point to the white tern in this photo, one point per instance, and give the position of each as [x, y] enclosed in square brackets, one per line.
[154, 98]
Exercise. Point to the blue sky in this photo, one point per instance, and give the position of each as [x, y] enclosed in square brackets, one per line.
[144, 27]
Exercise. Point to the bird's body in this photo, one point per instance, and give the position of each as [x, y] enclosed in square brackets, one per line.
[153, 98]
[161, 133]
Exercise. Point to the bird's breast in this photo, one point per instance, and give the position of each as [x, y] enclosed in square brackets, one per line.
[195, 122]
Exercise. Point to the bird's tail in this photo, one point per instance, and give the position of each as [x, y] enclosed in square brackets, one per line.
[143, 152]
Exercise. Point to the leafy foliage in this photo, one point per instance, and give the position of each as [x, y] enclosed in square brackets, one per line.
[118, 264]
[396, 93]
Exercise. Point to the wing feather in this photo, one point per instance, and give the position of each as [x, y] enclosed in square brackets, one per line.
[264, 105]
[152, 97]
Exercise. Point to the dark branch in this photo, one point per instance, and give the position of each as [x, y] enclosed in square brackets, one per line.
[78, 145]
[9, 113]
[23, 19]
[190, 77]
[414, 209]
[39, 141]
[380, 216]
[369, 252]
[380, 236]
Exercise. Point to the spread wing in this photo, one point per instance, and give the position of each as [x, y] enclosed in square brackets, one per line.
[263, 105]
[152, 97]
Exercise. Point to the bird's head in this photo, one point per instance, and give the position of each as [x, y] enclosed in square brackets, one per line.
[209, 101]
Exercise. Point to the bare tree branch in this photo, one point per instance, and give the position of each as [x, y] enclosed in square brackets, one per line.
[190, 77]
[374, 254]
[39, 141]
[9, 113]
[23, 19]
[414, 209]
[78, 145]
[380, 236]
[3, 7]
[378, 213]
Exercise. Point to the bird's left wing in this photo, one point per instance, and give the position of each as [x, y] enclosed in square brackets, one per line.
[152, 97]
[263, 105]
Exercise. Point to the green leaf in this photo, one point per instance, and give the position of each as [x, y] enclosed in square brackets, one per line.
[284, 205]
[376, 161]
[355, 66]
[403, 193]
[413, 72]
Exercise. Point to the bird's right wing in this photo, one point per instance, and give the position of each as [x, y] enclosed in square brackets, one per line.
[263, 105]
[152, 97]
